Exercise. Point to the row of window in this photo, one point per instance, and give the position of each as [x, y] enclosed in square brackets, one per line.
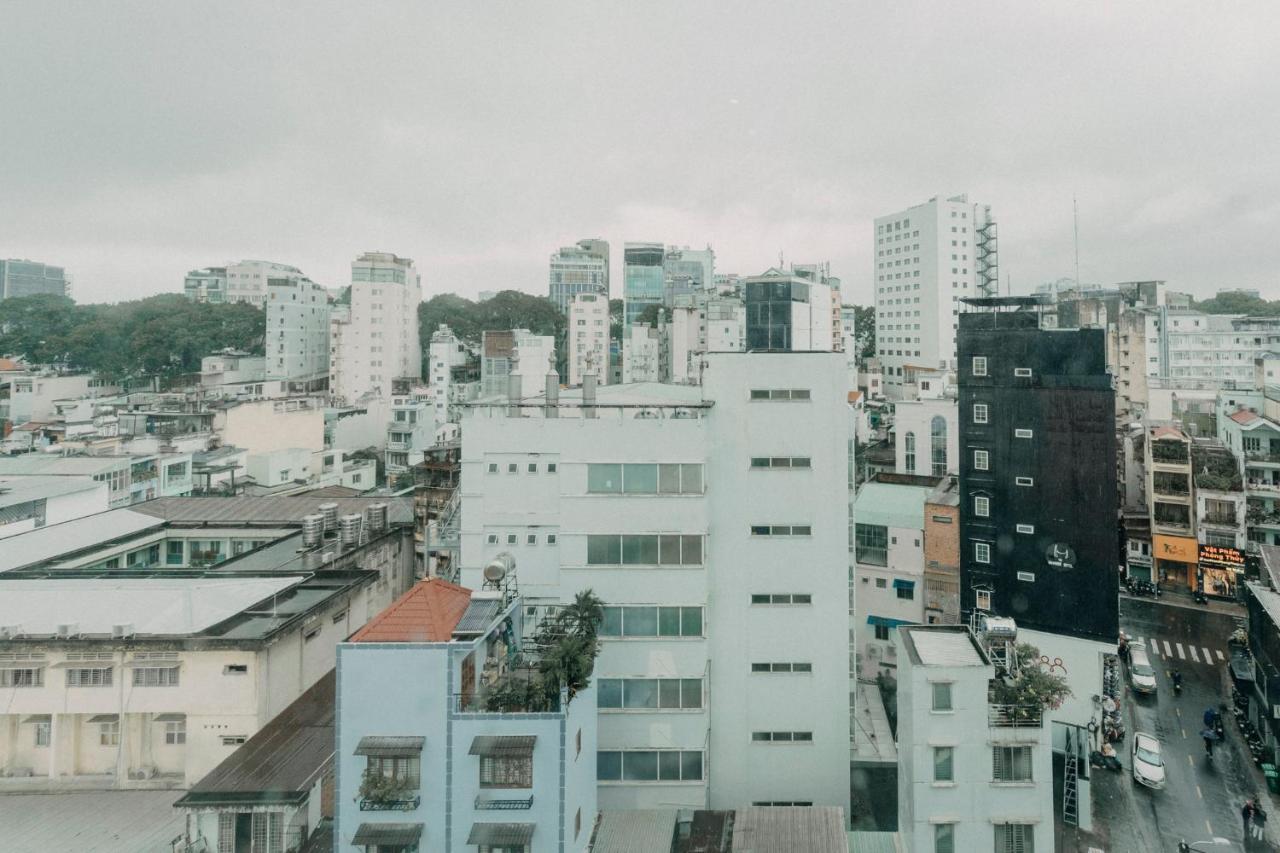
[780, 394]
[514, 468]
[146, 676]
[649, 765]
[643, 549]
[782, 667]
[782, 737]
[979, 368]
[1008, 764]
[782, 598]
[650, 694]
[781, 530]
[514, 538]
[781, 462]
[647, 621]
[644, 479]
[175, 733]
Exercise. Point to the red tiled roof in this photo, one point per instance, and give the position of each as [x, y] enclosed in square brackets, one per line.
[1244, 416]
[1167, 432]
[9, 364]
[427, 613]
[855, 396]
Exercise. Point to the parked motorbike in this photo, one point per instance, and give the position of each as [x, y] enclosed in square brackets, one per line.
[1199, 597]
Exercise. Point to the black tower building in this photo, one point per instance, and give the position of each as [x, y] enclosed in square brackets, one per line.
[1038, 471]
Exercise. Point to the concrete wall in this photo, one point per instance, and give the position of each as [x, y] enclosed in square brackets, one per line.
[266, 425]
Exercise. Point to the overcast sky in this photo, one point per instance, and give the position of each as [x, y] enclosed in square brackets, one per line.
[140, 140]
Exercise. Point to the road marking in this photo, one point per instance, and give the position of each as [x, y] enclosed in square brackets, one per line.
[1198, 794]
[1168, 652]
[1220, 655]
[1155, 649]
[1195, 657]
[1191, 761]
[1208, 658]
[1208, 826]
[1184, 732]
[1178, 711]
[1181, 656]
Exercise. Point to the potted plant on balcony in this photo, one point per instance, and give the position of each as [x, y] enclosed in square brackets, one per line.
[1030, 691]
[379, 790]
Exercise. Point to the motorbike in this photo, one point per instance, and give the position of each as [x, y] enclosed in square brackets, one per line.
[1177, 683]
[1199, 597]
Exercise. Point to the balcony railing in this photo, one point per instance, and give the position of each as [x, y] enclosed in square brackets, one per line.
[406, 804]
[1015, 716]
[1264, 486]
[1262, 456]
[1225, 518]
[483, 805]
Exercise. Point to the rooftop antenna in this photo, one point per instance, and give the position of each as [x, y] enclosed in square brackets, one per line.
[1075, 218]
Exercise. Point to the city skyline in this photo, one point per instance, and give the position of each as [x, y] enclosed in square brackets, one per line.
[295, 157]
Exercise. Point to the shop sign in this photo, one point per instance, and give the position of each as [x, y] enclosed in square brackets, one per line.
[1177, 548]
[1060, 556]
[1222, 558]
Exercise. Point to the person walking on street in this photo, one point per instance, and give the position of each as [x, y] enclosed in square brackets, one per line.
[1259, 820]
[1246, 815]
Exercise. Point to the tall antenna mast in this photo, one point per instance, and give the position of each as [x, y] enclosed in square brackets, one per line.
[1075, 218]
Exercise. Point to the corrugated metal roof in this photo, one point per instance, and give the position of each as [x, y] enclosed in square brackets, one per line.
[892, 505]
[502, 745]
[635, 831]
[383, 746]
[479, 616]
[90, 822]
[36, 546]
[500, 833]
[427, 613]
[876, 842]
[946, 647]
[281, 762]
[388, 833]
[813, 829]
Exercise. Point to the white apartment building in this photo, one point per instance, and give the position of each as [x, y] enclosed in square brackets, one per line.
[712, 521]
[297, 332]
[445, 353]
[130, 478]
[927, 435]
[411, 430]
[642, 353]
[375, 340]
[34, 397]
[971, 775]
[582, 268]
[518, 353]
[849, 333]
[792, 310]
[29, 502]
[700, 324]
[927, 258]
[245, 281]
[1217, 347]
[588, 337]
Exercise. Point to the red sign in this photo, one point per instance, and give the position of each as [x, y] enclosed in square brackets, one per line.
[1222, 558]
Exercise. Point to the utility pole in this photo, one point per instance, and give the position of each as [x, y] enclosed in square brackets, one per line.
[1075, 217]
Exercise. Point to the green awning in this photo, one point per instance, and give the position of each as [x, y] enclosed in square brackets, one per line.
[498, 745]
[388, 833]
[389, 746]
[498, 834]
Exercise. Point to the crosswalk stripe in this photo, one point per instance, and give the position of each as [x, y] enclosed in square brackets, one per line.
[1168, 652]
[1181, 656]
[1221, 656]
[1208, 658]
[1195, 657]
[1155, 648]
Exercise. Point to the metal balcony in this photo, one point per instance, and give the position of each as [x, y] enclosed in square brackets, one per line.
[399, 805]
[1015, 716]
[483, 805]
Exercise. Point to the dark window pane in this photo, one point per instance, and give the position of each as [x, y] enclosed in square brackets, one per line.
[669, 621]
[669, 550]
[691, 550]
[761, 667]
[691, 693]
[804, 598]
[759, 530]
[802, 667]
[669, 479]
[640, 550]
[759, 599]
[640, 693]
[640, 479]
[761, 736]
[691, 479]
[640, 766]
[611, 622]
[669, 693]
[780, 462]
[759, 461]
[641, 622]
[609, 766]
[604, 549]
[610, 694]
[691, 766]
[691, 622]
[669, 766]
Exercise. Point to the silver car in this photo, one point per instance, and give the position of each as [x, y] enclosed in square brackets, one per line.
[1148, 761]
[1141, 674]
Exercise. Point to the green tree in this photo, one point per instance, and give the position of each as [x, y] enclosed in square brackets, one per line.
[616, 308]
[1239, 303]
[864, 319]
[1032, 687]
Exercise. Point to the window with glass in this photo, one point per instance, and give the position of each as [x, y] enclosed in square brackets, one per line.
[22, 677]
[648, 765]
[1011, 764]
[650, 694]
[507, 771]
[1015, 838]
[611, 478]
[156, 676]
[871, 544]
[982, 552]
[642, 621]
[944, 838]
[981, 506]
[782, 737]
[89, 677]
[644, 549]
[944, 764]
[979, 365]
[43, 731]
[175, 732]
[940, 696]
[175, 552]
[980, 413]
[109, 733]
[981, 460]
[938, 445]
[909, 443]
[781, 530]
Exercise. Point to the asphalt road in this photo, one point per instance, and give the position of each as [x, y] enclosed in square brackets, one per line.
[1202, 798]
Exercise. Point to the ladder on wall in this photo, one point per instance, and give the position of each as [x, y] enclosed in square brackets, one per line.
[1070, 777]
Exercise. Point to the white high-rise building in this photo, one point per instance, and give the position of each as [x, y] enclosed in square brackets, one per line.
[927, 258]
[588, 337]
[642, 353]
[445, 353]
[701, 323]
[376, 339]
[297, 337]
[245, 281]
[712, 522]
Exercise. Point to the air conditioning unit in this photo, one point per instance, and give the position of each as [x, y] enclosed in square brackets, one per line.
[120, 632]
[68, 629]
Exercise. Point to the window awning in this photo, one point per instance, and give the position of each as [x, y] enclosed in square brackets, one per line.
[886, 622]
[388, 833]
[500, 745]
[497, 834]
[899, 583]
[38, 718]
[171, 718]
[104, 718]
[389, 746]
[154, 664]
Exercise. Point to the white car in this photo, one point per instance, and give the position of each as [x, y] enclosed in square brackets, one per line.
[1141, 674]
[1148, 763]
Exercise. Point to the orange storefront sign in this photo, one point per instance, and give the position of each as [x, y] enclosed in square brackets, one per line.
[1177, 548]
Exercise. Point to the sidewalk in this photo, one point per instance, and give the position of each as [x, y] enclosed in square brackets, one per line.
[1173, 599]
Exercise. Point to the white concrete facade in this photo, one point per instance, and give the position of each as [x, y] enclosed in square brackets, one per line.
[927, 258]
[245, 281]
[1217, 347]
[927, 437]
[33, 501]
[704, 557]
[297, 337]
[445, 353]
[588, 337]
[375, 340]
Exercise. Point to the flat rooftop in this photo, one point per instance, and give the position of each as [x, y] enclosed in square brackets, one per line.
[55, 540]
[942, 645]
[90, 822]
[628, 394]
[268, 510]
[892, 504]
[17, 489]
